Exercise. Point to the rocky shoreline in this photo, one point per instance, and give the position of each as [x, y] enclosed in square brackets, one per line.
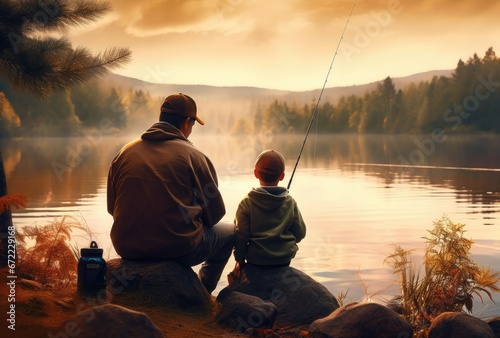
[166, 299]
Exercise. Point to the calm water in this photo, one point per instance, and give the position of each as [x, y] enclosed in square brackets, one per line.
[359, 195]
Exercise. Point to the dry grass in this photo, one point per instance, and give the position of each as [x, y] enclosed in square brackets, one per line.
[38, 311]
[52, 260]
[450, 279]
[7, 202]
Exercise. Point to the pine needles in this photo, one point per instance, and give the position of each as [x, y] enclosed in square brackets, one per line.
[34, 61]
[450, 279]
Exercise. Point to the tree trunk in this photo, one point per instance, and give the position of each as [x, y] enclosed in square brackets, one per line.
[5, 218]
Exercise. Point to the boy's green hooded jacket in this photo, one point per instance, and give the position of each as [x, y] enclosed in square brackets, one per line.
[268, 227]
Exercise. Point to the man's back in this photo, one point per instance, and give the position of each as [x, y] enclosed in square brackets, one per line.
[156, 194]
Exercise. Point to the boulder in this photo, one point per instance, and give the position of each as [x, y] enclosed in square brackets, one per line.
[494, 323]
[167, 284]
[357, 320]
[240, 312]
[111, 321]
[459, 325]
[298, 298]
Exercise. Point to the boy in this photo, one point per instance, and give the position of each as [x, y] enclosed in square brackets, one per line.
[268, 222]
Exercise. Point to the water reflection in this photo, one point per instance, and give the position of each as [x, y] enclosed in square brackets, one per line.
[52, 171]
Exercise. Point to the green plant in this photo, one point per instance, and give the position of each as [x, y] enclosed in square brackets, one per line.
[450, 279]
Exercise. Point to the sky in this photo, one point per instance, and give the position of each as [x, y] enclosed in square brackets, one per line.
[290, 44]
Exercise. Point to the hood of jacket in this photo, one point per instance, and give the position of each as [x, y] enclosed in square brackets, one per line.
[163, 131]
[268, 198]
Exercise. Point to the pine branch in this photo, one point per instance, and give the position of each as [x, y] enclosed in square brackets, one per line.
[57, 15]
[41, 64]
[89, 11]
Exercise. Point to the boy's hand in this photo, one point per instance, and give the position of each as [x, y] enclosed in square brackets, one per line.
[235, 275]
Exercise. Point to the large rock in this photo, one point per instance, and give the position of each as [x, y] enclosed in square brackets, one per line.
[298, 298]
[459, 325]
[156, 283]
[240, 312]
[111, 321]
[357, 320]
[494, 323]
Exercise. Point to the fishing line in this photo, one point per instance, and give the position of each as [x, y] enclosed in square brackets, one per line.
[321, 94]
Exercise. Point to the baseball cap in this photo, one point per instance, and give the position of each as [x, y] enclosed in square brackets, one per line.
[180, 105]
[270, 162]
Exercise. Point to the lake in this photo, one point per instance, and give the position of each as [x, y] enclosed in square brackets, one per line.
[359, 194]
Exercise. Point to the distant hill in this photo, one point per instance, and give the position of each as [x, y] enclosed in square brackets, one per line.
[238, 94]
[196, 91]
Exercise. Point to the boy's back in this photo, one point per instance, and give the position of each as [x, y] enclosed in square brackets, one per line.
[268, 222]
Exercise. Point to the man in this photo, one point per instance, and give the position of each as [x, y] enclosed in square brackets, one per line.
[164, 198]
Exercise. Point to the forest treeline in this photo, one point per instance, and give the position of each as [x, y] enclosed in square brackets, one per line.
[93, 106]
[467, 101]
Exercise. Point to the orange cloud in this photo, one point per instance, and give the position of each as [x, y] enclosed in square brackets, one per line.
[163, 16]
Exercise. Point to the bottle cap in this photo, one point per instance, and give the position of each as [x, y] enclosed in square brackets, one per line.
[93, 251]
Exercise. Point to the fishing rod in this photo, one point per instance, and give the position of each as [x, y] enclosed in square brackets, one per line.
[321, 94]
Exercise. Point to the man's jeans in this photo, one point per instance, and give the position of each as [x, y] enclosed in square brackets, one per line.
[214, 251]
